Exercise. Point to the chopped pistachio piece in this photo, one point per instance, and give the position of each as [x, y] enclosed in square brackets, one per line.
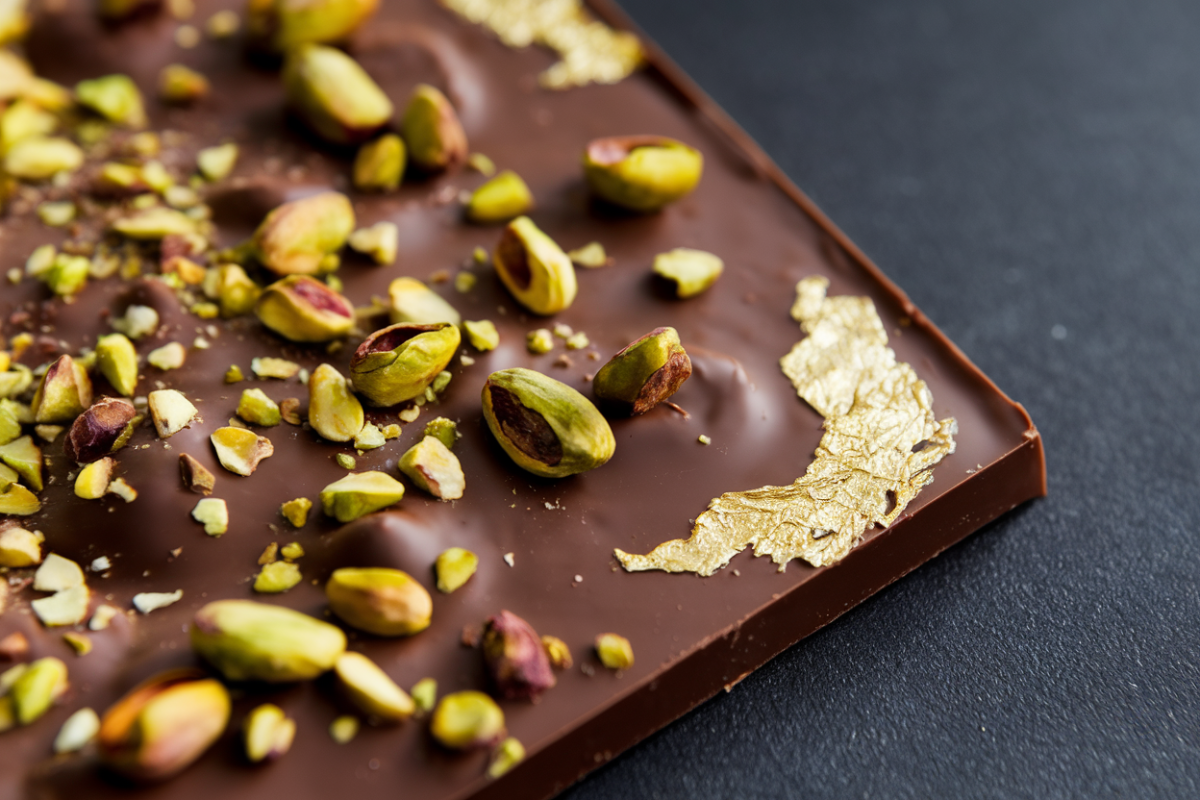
[379, 600]
[37, 688]
[432, 130]
[152, 224]
[392, 431]
[68, 607]
[431, 466]
[81, 643]
[114, 97]
[233, 290]
[444, 430]
[67, 274]
[138, 321]
[248, 640]
[539, 341]
[93, 480]
[481, 164]
[268, 733]
[171, 411]
[344, 729]
[146, 602]
[413, 301]
[369, 438]
[196, 477]
[614, 651]
[466, 720]
[578, 341]
[181, 85]
[282, 25]
[77, 732]
[103, 616]
[482, 334]
[240, 451]
[277, 577]
[465, 282]
[296, 511]
[24, 119]
[379, 165]
[16, 500]
[213, 514]
[26, 458]
[258, 409]
[371, 689]
[345, 461]
[57, 573]
[454, 567]
[359, 494]
[500, 199]
[591, 256]
[56, 214]
[292, 551]
[279, 368]
[558, 652]
[20, 548]
[380, 242]
[333, 410]
[216, 163]
[508, 754]
[334, 95]
[424, 694]
[234, 374]
[691, 271]
[169, 356]
[40, 158]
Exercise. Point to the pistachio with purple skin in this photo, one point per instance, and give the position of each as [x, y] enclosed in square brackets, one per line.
[103, 429]
[396, 363]
[645, 373]
[64, 393]
[516, 660]
[303, 309]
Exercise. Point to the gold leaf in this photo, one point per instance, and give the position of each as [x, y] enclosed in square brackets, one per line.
[869, 465]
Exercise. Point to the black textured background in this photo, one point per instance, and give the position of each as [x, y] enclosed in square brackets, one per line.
[1029, 172]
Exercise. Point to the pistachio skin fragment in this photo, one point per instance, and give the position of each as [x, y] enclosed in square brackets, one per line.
[117, 360]
[644, 373]
[303, 309]
[268, 733]
[334, 95]
[501, 198]
[64, 393]
[534, 269]
[248, 640]
[297, 236]
[545, 426]
[104, 428]
[516, 660]
[371, 689]
[431, 466]
[432, 130]
[641, 173]
[413, 301]
[467, 720]
[396, 363]
[691, 271]
[281, 25]
[359, 494]
[378, 600]
[379, 165]
[196, 477]
[333, 410]
[614, 651]
[163, 725]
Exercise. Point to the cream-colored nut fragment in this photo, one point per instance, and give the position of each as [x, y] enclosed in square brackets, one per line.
[591, 256]
[268, 733]
[431, 466]
[482, 334]
[20, 548]
[232, 288]
[614, 651]
[343, 729]
[39, 685]
[240, 450]
[79, 642]
[57, 574]
[539, 341]
[171, 411]
[137, 322]
[103, 617]
[64, 392]
[93, 480]
[216, 163]
[558, 652]
[248, 640]
[334, 95]
[333, 410]
[359, 494]
[508, 754]
[154, 224]
[691, 271]
[379, 165]
[534, 269]
[432, 130]
[292, 551]
[39, 158]
[371, 689]
[296, 511]
[277, 577]
[382, 601]
[298, 236]
[413, 301]
[380, 242]
[278, 368]
[303, 309]
[181, 85]
[258, 409]
[56, 215]
[26, 458]
[77, 732]
[641, 173]
[114, 97]
[169, 356]
[213, 514]
[68, 607]
[146, 602]
[500, 199]
[196, 477]
[466, 720]
[454, 567]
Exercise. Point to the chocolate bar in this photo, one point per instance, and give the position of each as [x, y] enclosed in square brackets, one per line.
[548, 548]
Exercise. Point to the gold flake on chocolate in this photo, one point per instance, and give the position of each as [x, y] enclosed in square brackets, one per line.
[591, 51]
[881, 442]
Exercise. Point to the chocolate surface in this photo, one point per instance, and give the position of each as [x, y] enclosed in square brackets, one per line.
[690, 636]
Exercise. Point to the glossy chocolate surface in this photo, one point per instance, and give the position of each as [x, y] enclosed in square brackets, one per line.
[690, 636]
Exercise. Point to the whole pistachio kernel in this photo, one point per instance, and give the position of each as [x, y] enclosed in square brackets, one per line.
[444, 430]
[641, 173]
[413, 301]
[379, 165]
[181, 85]
[333, 410]
[303, 309]
[378, 600]
[280, 25]
[467, 720]
[431, 466]
[163, 725]
[40, 158]
[454, 567]
[268, 733]
[545, 426]
[334, 95]
[371, 689]
[645, 373]
[534, 269]
[501, 198]
[114, 97]
[104, 428]
[360, 493]
[614, 651]
[432, 130]
[508, 754]
[299, 235]
[64, 393]
[396, 363]
[248, 640]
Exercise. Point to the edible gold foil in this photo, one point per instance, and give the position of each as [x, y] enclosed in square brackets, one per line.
[591, 51]
[880, 444]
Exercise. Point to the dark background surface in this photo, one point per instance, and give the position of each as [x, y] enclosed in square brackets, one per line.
[1029, 172]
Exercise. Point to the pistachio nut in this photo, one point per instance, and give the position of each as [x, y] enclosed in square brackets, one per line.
[614, 651]
[181, 85]
[467, 720]
[645, 373]
[64, 392]
[424, 694]
[333, 410]
[240, 451]
[545, 426]
[641, 173]
[296, 511]
[67, 274]
[558, 652]
[432, 131]
[93, 481]
[292, 550]
[516, 661]
[37, 687]
[26, 458]
[454, 567]
[248, 640]
[304, 309]
[343, 729]
[258, 409]
[281, 25]
[413, 301]
[24, 119]
[378, 600]
[163, 725]
[114, 97]
[358, 494]
[10, 426]
[501, 198]
[691, 271]
[508, 754]
[380, 242]
[171, 411]
[233, 290]
[277, 577]
[56, 214]
[534, 269]
[379, 165]
[153, 224]
[334, 95]
[77, 732]
[369, 437]
[14, 21]
[15, 381]
[371, 689]
[104, 428]
[16, 500]
[482, 334]
[298, 235]
[268, 733]
[117, 361]
[40, 158]
[196, 477]
[19, 548]
[213, 514]
[216, 162]
[444, 430]
[433, 468]
[396, 363]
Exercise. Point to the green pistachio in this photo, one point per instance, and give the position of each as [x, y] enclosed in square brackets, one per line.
[37, 687]
[181, 85]
[303, 309]
[64, 392]
[16, 500]
[502, 198]
[385, 602]
[57, 214]
[614, 651]
[454, 567]
[466, 720]
[19, 548]
[396, 363]
[380, 242]
[379, 165]
[369, 438]
[692, 271]
[25, 119]
[424, 694]
[343, 729]
[334, 95]
[14, 382]
[258, 409]
[79, 729]
[10, 426]
[268, 733]
[591, 256]
[432, 131]
[358, 494]
[114, 97]
[481, 164]
[14, 21]
[67, 274]
[171, 411]
[153, 224]
[545, 426]
[645, 373]
[104, 428]
[346, 461]
[213, 514]
[281, 25]
[296, 511]
[482, 334]
[163, 725]
[557, 651]
[40, 158]
[215, 163]
[431, 466]
[444, 430]
[371, 689]
[292, 551]
[333, 410]
[117, 361]
[240, 451]
[248, 640]
[641, 173]
[277, 577]
[535, 269]
[137, 322]
[508, 754]
[297, 236]
[413, 301]
[170, 356]
[233, 289]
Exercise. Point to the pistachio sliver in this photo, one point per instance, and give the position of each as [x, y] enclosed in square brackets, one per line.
[359, 494]
[299, 235]
[691, 271]
[371, 689]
